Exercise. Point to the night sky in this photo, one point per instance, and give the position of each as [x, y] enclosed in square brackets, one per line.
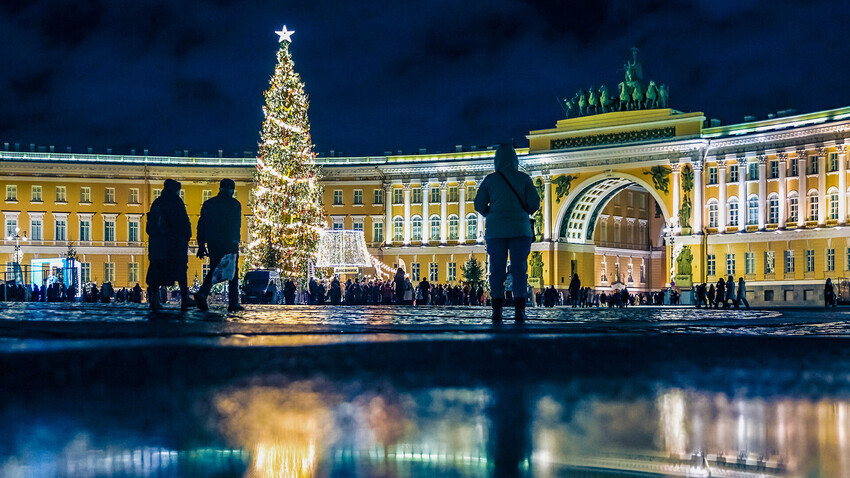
[383, 75]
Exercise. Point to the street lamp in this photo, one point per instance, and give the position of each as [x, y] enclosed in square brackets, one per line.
[671, 229]
[18, 237]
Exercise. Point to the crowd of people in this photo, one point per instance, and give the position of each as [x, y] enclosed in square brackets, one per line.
[724, 294]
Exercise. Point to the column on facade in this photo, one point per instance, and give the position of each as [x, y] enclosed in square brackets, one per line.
[480, 227]
[699, 205]
[783, 189]
[444, 212]
[426, 220]
[842, 184]
[675, 167]
[547, 208]
[822, 210]
[743, 210]
[461, 211]
[762, 159]
[407, 188]
[802, 197]
[721, 208]
[388, 224]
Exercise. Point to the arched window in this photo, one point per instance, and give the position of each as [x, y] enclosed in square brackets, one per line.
[833, 203]
[435, 228]
[416, 228]
[773, 209]
[813, 205]
[398, 228]
[713, 212]
[472, 227]
[753, 210]
[733, 212]
[453, 227]
[793, 207]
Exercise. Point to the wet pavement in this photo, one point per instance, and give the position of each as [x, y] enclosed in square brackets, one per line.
[111, 390]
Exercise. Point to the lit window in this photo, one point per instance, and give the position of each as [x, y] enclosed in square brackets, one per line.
[733, 212]
[470, 193]
[133, 272]
[830, 260]
[61, 194]
[453, 227]
[134, 196]
[773, 210]
[85, 194]
[793, 208]
[435, 227]
[453, 194]
[109, 196]
[11, 192]
[377, 232]
[36, 194]
[769, 261]
[416, 228]
[206, 195]
[108, 272]
[414, 272]
[789, 261]
[813, 206]
[398, 229]
[433, 272]
[712, 215]
[472, 226]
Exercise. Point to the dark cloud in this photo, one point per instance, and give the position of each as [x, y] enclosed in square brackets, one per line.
[178, 74]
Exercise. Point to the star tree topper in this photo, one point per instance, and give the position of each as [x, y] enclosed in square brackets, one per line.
[285, 35]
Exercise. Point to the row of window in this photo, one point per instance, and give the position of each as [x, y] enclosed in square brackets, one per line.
[629, 279]
[773, 171]
[433, 272]
[60, 228]
[37, 194]
[416, 228]
[770, 263]
[773, 209]
[398, 195]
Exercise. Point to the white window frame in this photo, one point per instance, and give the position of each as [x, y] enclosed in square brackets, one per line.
[137, 220]
[110, 219]
[36, 216]
[84, 218]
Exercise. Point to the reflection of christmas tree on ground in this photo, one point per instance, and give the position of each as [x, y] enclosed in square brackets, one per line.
[288, 215]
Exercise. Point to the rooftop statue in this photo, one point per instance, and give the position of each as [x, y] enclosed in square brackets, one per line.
[633, 94]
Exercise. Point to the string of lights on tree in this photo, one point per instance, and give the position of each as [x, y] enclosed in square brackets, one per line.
[288, 215]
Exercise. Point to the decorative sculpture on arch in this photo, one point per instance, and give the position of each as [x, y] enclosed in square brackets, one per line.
[633, 94]
[563, 183]
[660, 178]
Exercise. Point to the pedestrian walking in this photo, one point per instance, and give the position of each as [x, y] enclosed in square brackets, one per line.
[506, 198]
[721, 293]
[742, 294]
[730, 293]
[219, 232]
[829, 294]
[169, 231]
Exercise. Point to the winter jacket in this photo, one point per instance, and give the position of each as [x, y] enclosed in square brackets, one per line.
[506, 217]
[220, 224]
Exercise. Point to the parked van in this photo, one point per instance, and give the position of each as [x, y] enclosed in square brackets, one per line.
[262, 287]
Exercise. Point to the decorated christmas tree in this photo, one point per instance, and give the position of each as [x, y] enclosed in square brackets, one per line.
[288, 214]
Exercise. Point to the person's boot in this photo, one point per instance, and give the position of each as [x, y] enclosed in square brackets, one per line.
[153, 299]
[235, 307]
[201, 301]
[185, 303]
[497, 303]
[519, 311]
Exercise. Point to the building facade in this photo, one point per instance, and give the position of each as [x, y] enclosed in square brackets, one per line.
[628, 198]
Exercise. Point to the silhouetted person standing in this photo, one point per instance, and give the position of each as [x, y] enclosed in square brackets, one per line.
[219, 232]
[742, 294]
[506, 198]
[169, 230]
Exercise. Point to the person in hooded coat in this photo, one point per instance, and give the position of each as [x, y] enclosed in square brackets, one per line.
[169, 231]
[506, 198]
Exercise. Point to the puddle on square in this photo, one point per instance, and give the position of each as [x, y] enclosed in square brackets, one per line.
[274, 426]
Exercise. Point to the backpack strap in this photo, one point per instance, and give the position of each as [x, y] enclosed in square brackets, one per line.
[521, 202]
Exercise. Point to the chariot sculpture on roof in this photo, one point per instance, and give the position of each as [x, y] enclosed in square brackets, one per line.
[632, 94]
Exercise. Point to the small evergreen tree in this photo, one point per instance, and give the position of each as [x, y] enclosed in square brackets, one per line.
[473, 272]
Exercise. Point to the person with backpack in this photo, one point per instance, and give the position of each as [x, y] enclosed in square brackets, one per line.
[506, 198]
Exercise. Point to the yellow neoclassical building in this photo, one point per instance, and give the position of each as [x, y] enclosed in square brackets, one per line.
[634, 197]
